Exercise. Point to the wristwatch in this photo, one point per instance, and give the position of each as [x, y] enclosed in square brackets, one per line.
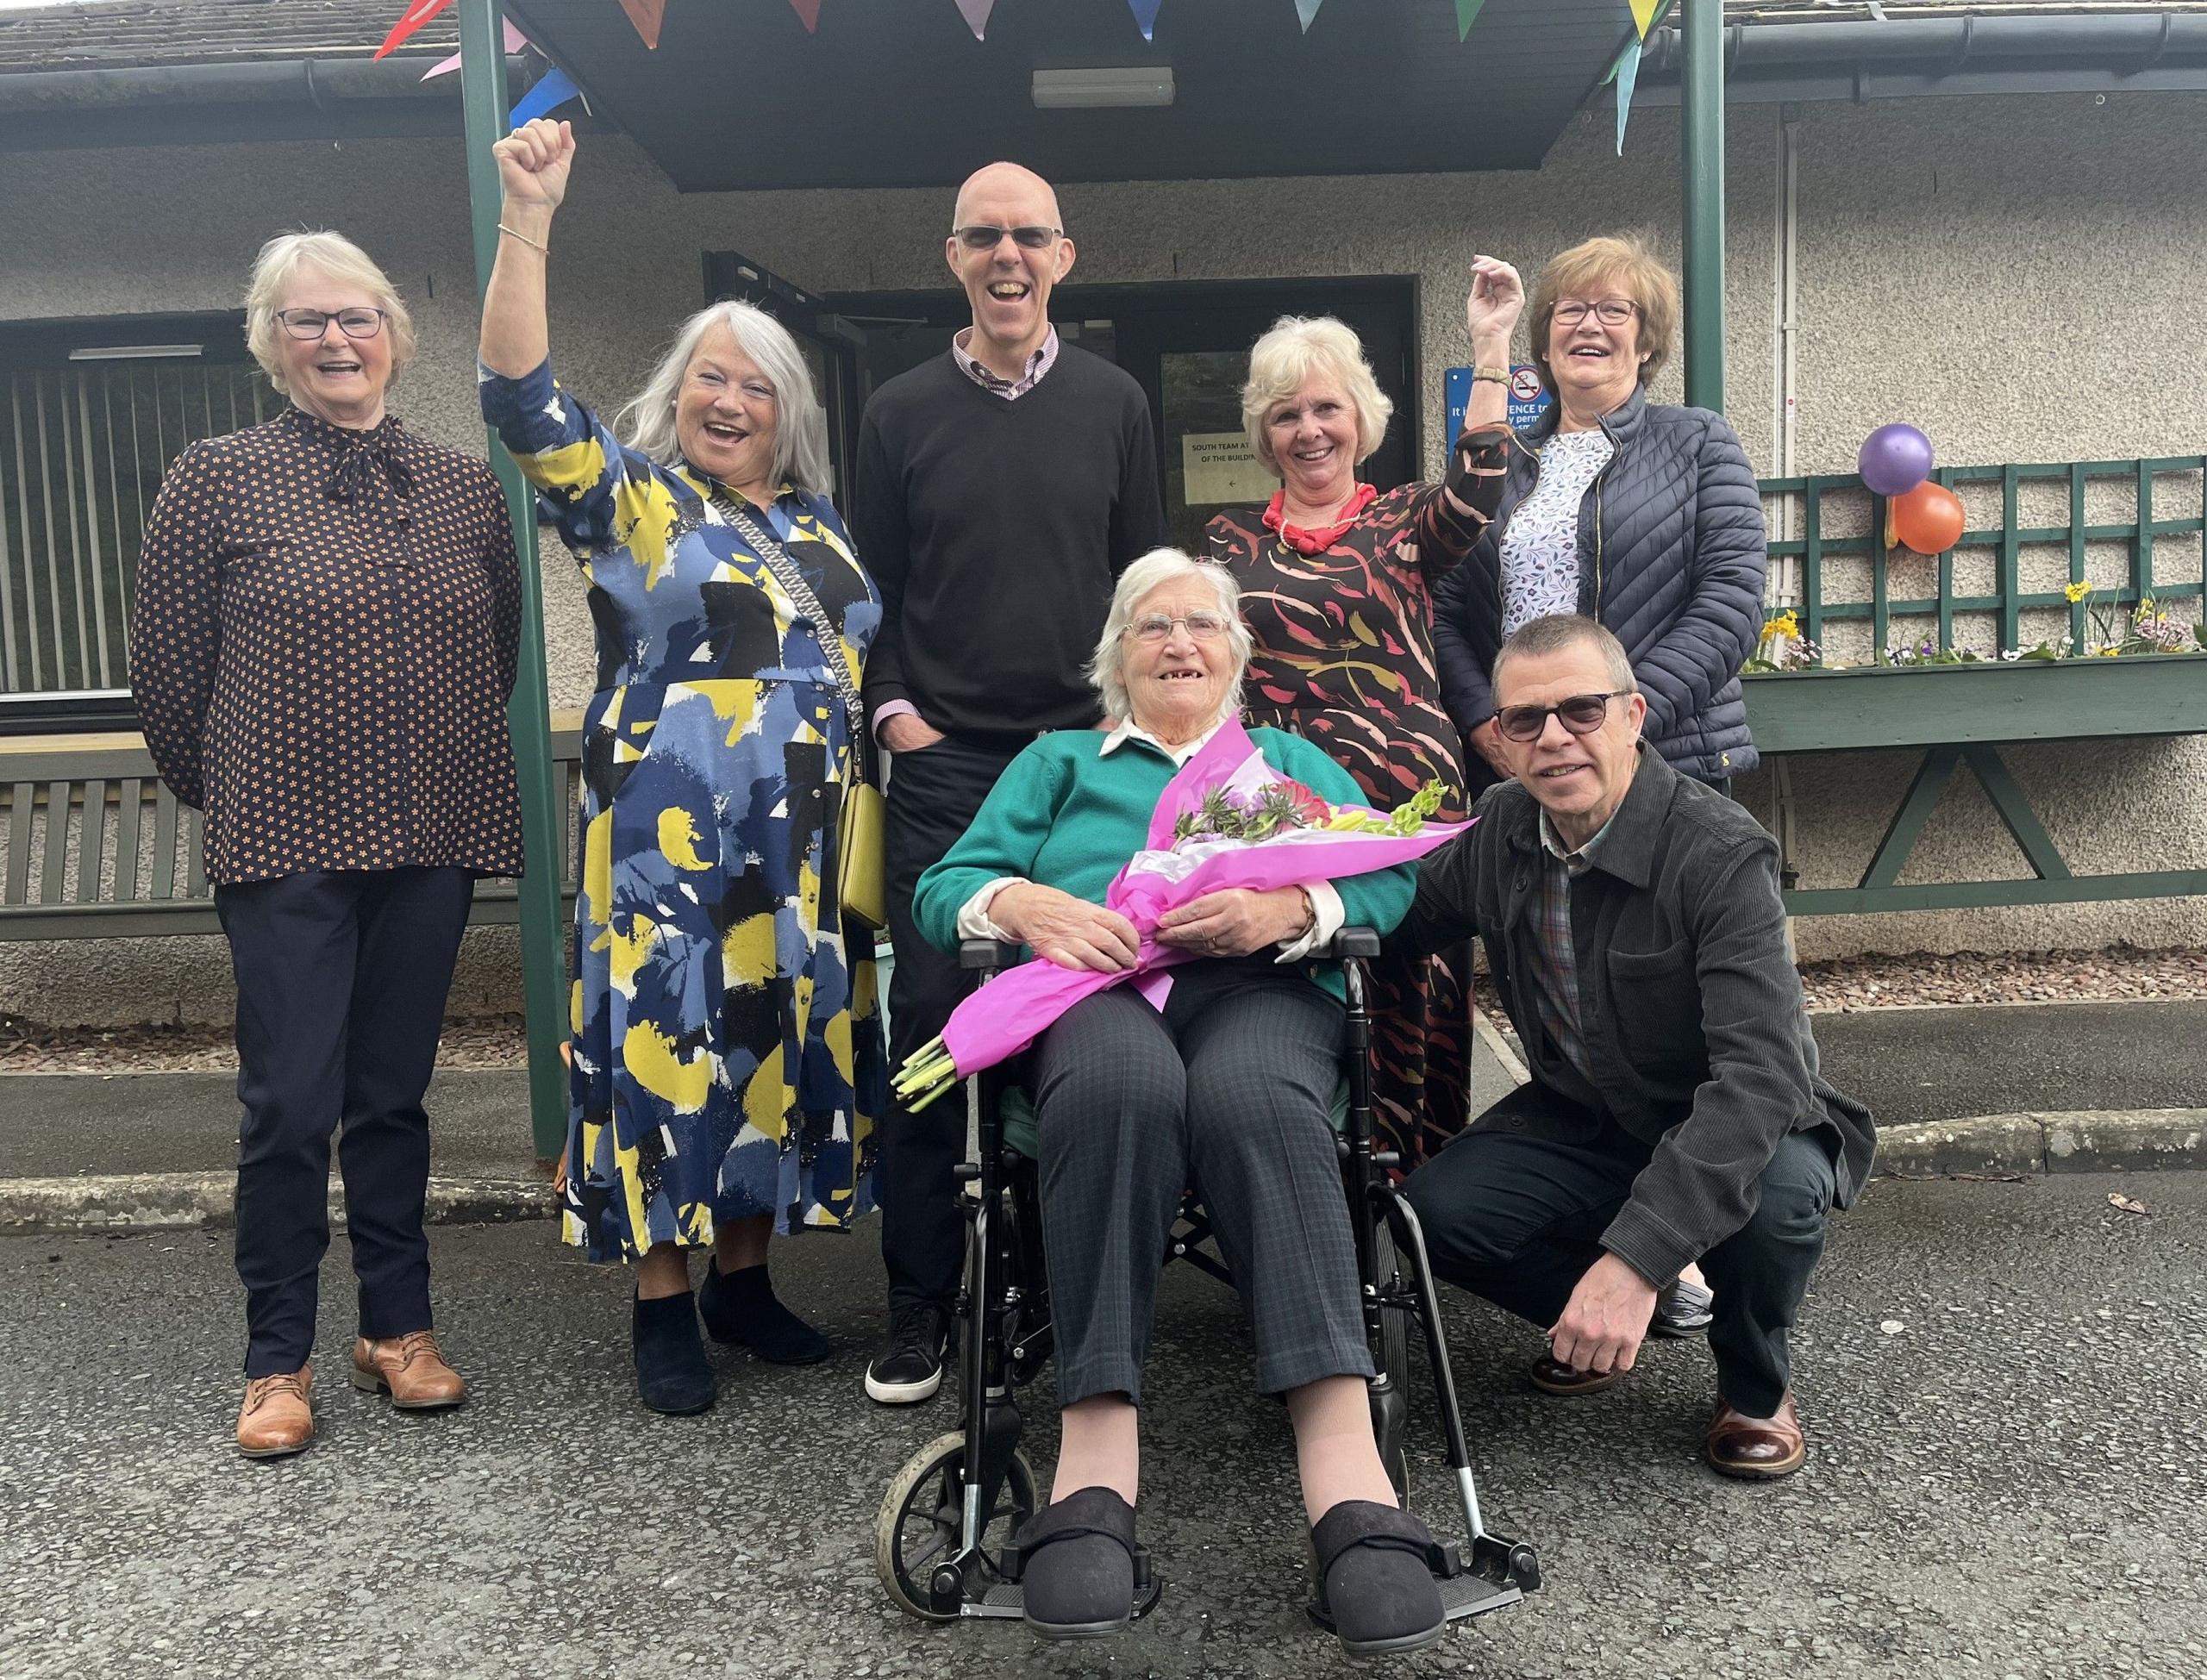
[1499, 375]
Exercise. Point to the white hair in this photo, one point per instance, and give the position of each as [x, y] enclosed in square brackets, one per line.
[1160, 566]
[331, 255]
[800, 425]
[1282, 362]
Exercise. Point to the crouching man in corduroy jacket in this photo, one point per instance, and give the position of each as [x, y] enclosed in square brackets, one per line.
[1632, 922]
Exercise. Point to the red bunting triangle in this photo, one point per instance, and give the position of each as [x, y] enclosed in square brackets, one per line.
[808, 12]
[646, 16]
[418, 12]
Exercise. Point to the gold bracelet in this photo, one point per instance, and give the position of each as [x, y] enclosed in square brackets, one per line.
[1500, 376]
[525, 239]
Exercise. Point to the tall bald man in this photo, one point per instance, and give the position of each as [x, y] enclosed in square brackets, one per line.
[1001, 490]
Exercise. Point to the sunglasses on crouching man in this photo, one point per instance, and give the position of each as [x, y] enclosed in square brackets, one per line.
[1582, 713]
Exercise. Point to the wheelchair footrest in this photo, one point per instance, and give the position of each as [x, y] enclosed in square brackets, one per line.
[1469, 1595]
[1007, 1599]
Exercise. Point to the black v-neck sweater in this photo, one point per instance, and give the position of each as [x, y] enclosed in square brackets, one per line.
[995, 530]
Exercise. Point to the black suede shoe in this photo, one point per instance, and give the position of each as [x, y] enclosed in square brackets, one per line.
[910, 1369]
[1077, 1565]
[741, 1307]
[672, 1375]
[1375, 1577]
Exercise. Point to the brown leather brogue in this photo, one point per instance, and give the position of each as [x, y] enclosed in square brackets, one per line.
[277, 1417]
[1759, 1449]
[1552, 1376]
[411, 1369]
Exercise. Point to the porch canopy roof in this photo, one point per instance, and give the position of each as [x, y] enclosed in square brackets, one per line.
[899, 93]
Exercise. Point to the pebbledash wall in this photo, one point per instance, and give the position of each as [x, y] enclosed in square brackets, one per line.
[2018, 275]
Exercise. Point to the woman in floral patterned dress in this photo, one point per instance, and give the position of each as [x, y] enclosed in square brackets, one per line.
[1337, 590]
[728, 1058]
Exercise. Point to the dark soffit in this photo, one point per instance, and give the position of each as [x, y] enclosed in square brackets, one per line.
[898, 92]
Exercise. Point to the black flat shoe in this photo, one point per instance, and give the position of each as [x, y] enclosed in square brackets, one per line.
[1376, 1567]
[741, 1307]
[673, 1377]
[1077, 1565]
[1683, 1309]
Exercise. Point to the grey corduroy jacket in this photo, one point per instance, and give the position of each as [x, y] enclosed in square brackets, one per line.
[1695, 1025]
[1672, 552]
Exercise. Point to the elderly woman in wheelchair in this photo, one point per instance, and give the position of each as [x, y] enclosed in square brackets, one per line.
[1229, 1088]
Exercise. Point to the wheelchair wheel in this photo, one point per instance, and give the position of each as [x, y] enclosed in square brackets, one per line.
[1393, 1355]
[918, 1526]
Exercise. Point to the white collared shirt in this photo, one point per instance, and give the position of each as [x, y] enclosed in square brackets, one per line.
[1327, 912]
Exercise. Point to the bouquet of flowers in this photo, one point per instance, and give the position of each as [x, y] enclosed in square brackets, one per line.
[1227, 819]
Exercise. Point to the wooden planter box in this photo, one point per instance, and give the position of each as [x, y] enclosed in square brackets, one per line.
[1831, 711]
[1962, 714]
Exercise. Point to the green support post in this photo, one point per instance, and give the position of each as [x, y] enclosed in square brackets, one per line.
[543, 944]
[1702, 166]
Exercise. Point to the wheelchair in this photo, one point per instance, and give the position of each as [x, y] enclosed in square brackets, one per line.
[942, 1538]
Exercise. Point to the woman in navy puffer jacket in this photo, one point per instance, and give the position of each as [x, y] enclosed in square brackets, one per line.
[1641, 514]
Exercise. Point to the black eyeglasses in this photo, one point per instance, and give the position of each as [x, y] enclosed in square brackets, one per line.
[312, 323]
[982, 237]
[1582, 713]
[1611, 312]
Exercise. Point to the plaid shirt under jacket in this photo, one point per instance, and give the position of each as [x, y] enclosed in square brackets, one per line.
[324, 639]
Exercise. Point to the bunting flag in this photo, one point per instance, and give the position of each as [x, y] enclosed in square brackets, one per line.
[808, 12]
[1628, 75]
[1645, 12]
[553, 90]
[418, 12]
[1145, 13]
[646, 16]
[976, 13]
[1307, 9]
[1467, 13]
[516, 42]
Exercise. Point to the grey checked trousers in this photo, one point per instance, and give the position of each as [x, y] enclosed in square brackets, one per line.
[1227, 1091]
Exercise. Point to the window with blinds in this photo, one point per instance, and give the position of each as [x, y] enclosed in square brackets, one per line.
[91, 414]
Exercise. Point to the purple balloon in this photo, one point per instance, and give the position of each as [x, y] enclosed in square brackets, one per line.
[1895, 459]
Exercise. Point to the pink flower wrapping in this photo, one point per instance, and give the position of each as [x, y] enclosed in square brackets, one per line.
[1008, 1014]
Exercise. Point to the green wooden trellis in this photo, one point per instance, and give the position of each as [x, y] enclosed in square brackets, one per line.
[2007, 542]
[1959, 715]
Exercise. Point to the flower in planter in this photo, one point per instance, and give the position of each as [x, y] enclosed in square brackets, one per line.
[2077, 591]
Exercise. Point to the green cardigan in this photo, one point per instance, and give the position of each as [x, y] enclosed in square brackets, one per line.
[1065, 814]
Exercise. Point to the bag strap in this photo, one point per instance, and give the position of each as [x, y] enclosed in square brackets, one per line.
[787, 574]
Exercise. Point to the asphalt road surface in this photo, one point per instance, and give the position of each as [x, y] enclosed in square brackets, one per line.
[2002, 1384]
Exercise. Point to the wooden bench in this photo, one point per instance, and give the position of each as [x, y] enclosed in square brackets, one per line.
[93, 846]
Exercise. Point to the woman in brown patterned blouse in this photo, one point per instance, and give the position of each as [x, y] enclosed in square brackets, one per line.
[327, 613]
[1337, 589]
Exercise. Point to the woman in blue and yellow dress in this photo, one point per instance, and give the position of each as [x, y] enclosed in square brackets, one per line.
[728, 1052]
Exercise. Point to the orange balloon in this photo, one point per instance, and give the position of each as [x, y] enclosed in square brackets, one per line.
[1928, 519]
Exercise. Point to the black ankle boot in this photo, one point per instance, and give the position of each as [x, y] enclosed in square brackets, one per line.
[1376, 1579]
[1077, 1565]
[741, 1307]
[671, 1375]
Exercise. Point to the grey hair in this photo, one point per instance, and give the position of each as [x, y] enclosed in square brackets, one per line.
[1539, 637]
[1282, 362]
[800, 424]
[1159, 567]
[332, 255]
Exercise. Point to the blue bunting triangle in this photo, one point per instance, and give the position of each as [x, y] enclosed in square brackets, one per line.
[1145, 13]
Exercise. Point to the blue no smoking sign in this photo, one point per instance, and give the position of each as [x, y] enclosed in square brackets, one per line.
[1528, 400]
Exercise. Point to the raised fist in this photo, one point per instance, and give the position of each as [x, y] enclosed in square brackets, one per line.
[533, 164]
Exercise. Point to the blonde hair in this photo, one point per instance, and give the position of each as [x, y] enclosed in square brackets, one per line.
[800, 424]
[1623, 261]
[333, 254]
[1107, 667]
[1282, 362]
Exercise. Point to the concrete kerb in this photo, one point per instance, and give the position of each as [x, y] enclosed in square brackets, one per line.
[2084, 1141]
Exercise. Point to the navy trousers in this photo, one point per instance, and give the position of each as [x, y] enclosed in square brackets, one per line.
[342, 978]
[1518, 1218]
[933, 795]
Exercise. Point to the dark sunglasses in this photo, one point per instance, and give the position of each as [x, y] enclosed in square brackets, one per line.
[982, 237]
[1582, 713]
